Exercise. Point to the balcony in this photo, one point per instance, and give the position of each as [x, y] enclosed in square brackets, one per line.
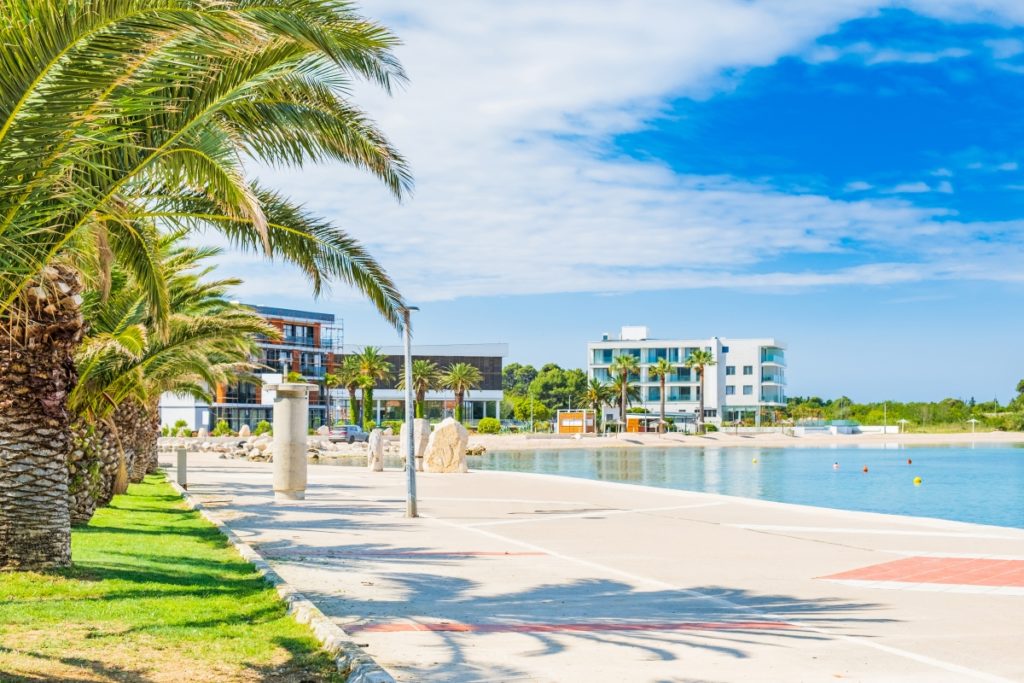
[773, 378]
[773, 357]
[312, 371]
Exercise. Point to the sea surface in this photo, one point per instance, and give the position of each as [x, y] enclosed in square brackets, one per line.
[983, 484]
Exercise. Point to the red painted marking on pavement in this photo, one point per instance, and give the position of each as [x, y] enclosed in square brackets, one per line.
[458, 627]
[942, 570]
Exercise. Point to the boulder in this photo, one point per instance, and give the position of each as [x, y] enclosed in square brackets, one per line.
[203, 433]
[421, 435]
[446, 448]
[323, 430]
[375, 451]
[244, 431]
[389, 432]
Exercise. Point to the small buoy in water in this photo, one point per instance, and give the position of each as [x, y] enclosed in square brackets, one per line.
[835, 466]
[917, 481]
[909, 461]
[865, 468]
[754, 461]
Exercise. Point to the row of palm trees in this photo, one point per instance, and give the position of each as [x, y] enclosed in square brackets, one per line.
[361, 372]
[622, 391]
[127, 131]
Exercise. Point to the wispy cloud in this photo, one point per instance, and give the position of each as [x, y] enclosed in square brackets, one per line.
[507, 123]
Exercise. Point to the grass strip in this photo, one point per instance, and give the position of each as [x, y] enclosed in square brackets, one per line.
[155, 594]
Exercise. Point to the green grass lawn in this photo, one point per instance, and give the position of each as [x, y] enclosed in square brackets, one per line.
[155, 594]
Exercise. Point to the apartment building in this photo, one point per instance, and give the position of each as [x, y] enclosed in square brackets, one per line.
[746, 382]
[309, 344]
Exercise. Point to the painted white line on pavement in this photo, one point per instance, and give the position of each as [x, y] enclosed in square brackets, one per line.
[592, 513]
[881, 532]
[657, 583]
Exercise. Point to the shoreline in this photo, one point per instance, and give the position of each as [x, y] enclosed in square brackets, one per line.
[529, 442]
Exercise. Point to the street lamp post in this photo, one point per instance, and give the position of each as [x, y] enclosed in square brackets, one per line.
[410, 438]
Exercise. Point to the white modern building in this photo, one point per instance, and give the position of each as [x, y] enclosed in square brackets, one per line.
[747, 381]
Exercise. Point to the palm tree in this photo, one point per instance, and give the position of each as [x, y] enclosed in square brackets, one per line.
[662, 369]
[460, 378]
[124, 365]
[121, 118]
[374, 367]
[622, 367]
[698, 360]
[350, 377]
[424, 378]
[596, 395]
[624, 393]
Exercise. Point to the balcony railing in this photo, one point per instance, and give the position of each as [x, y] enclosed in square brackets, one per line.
[773, 357]
[772, 379]
[312, 370]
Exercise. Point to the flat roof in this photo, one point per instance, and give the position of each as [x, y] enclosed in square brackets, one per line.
[276, 312]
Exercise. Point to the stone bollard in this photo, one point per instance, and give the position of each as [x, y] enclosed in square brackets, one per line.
[375, 451]
[291, 419]
[181, 472]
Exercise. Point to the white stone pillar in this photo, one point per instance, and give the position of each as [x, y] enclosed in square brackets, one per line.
[291, 425]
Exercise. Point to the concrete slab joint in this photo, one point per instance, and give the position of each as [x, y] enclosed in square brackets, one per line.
[348, 657]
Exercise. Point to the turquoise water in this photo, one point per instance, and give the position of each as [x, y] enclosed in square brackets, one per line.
[983, 485]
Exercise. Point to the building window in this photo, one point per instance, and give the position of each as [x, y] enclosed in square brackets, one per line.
[748, 369]
[725, 349]
[712, 412]
[730, 390]
[748, 390]
[730, 369]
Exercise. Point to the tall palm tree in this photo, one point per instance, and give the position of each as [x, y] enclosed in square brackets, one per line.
[597, 395]
[374, 367]
[622, 367]
[350, 377]
[460, 378]
[121, 118]
[661, 369]
[425, 376]
[624, 393]
[698, 360]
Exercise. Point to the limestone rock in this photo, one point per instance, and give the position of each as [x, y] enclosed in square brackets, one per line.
[446, 448]
[323, 430]
[375, 451]
[244, 431]
[389, 432]
[421, 435]
[203, 433]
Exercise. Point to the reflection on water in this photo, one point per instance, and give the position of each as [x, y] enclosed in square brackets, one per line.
[983, 484]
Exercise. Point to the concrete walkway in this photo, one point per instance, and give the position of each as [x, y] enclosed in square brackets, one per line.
[523, 577]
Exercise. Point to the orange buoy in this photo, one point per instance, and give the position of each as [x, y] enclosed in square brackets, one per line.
[909, 461]
[865, 468]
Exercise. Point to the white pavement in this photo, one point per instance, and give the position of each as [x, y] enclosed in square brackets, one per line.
[524, 577]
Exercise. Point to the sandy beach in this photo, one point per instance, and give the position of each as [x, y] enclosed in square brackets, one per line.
[520, 442]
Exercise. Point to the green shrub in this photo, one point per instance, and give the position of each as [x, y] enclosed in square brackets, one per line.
[222, 429]
[395, 425]
[369, 426]
[263, 427]
[488, 425]
[708, 427]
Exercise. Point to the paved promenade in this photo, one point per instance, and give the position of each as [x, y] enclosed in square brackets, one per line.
[522, 577]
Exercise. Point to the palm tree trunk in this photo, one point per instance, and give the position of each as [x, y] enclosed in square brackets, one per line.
[622, 402]
[661, 427]
[92, 467]
[40, 332]
[700, 416]
[368, 415]
[131, 420]
[353, 406]
[420, 397]
[458, 406]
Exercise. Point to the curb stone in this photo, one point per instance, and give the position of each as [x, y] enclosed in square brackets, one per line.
[349, 657]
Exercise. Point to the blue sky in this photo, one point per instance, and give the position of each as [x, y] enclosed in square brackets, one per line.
[845, 176]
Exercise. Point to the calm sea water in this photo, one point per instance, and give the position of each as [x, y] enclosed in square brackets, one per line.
[983, 485]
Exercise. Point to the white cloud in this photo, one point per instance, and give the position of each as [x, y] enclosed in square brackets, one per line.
[858, 186]
[506, 122]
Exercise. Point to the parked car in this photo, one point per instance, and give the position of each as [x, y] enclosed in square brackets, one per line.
[349, 433]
